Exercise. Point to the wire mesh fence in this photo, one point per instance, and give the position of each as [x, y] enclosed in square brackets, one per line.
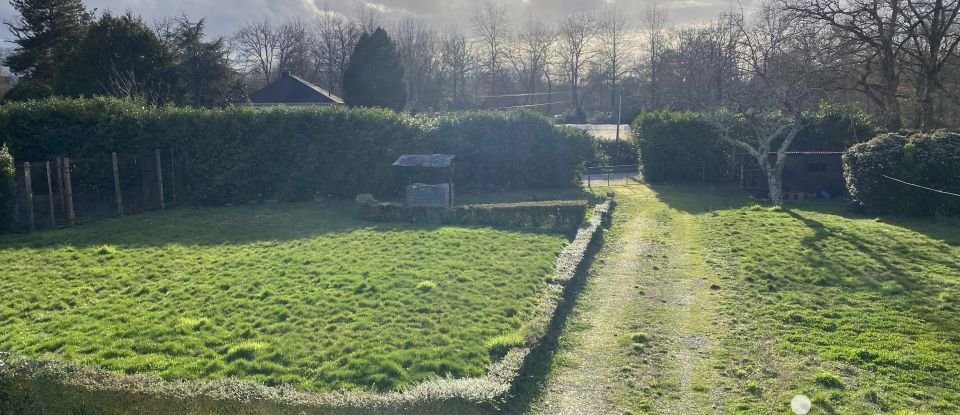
[625, 175]
[63, 191]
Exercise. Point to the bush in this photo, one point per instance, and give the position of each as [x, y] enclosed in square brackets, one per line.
[25, 91]
[240, 154]
[8, 192]
[930, 160]
[560, 215]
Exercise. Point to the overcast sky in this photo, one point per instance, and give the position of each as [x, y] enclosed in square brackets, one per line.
[225, 16]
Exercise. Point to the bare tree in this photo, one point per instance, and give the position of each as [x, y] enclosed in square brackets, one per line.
[256, 46]
[654, 22]
[782, 64]
[292, 44]
[933, 40]
[615, 46]
[334, 38]
[417, 45]
[456, 60]
[874, 35]
[577, 33]
[367, 16]
[529, 54]
[489, 21]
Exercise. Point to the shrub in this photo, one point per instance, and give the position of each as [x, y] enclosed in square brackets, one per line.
[25, 91]
[925, 159]
[7, 189]
[240, 154]
[560, 215]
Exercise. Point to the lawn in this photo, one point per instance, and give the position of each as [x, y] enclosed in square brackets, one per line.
[860, 313]
[300, 294]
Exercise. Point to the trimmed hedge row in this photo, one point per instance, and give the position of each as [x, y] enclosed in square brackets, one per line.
[930, 160]
[683, 146]
[240, 154]
[676, 146]
[560, 215]
[40, 387]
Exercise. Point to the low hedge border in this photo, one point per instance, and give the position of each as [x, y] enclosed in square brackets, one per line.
[558, 214]
[45, 386]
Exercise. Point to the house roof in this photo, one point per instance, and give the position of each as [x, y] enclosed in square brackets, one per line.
[424, 160]
[292, 89]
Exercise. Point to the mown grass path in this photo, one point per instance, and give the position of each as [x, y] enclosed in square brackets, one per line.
[641, 335]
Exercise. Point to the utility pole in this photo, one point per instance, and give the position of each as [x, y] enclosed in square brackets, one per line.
[619, 114]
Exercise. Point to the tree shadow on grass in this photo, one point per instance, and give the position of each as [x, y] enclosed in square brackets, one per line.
[912, 293]
[703, 198]
[532, 381]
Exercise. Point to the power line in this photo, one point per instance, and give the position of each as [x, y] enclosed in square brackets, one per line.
[529, 105]
[524, 95]
[922, 187]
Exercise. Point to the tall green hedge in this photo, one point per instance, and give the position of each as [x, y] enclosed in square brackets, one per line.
[677, 146]
[929, 160]
[240, 154]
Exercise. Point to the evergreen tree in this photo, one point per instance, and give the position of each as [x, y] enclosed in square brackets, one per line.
[120, 56]
[45, 34]
[374, 77]
[202, 68]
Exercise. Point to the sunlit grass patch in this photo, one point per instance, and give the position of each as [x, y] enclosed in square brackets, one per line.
[299, 294]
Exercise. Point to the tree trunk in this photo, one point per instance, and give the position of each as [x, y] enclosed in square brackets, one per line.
[775, 184]
[891, 106]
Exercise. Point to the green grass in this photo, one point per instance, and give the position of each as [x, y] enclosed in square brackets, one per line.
[861, 314]
[299, 294]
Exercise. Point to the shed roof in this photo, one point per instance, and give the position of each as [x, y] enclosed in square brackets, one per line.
[292, 89]
[424, 160]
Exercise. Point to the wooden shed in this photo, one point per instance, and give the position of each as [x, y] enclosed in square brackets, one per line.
[806, 172]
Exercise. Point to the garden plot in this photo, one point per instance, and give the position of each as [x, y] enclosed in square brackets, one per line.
[299, 294]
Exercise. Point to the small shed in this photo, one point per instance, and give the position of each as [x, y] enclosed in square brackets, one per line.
[805, 172]
[429, 195]
[293, 90]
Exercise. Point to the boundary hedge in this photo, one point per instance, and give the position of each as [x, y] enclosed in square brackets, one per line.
[38, 387]
[242, 154]
[930, 160]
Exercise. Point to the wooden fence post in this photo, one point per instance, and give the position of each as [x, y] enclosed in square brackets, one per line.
[68, 192]
[116, 184]
[29, 187]
[160, 180]
[53, 217]
[173, 177]
[63, 202]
